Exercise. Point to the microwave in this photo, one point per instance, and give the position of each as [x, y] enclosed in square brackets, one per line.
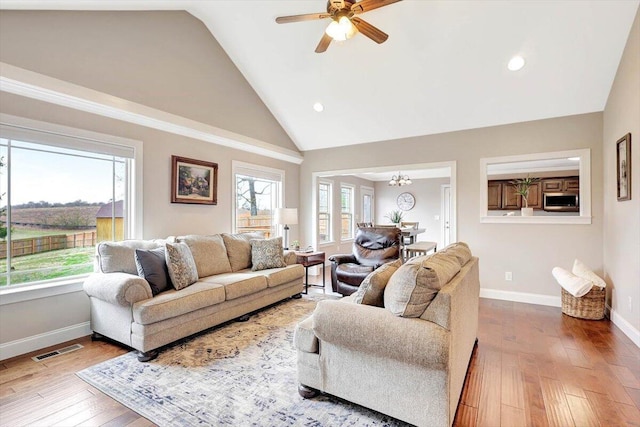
[561, 202]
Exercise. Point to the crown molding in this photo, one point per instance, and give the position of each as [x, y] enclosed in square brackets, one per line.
[33, 85]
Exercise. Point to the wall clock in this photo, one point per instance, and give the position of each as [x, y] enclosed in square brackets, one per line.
[406, 201]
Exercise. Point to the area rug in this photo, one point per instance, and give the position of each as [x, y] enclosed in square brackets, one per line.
[241, 374]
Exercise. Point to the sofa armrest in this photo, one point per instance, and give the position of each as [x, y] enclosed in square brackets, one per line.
[342, 259]
[290, 257]
[375, 330]
[117, 288]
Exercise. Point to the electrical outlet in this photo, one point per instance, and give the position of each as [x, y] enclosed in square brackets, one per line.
[630, 303]
[508, 276]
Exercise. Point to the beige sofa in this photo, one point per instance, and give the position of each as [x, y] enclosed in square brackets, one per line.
[412, 369]
[124, 309]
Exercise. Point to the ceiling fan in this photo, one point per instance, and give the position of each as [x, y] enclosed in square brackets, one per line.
[344, 24]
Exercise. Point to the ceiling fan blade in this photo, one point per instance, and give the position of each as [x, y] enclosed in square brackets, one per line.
[324, 43]
[367, 5]
[370, 31]
[300, 18]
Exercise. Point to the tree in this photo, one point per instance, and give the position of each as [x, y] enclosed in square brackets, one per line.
[247, 191]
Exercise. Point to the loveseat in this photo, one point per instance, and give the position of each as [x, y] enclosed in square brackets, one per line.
[211, 279]
[401, 345]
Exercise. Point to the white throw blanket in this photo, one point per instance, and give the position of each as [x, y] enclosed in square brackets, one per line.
[575, 285]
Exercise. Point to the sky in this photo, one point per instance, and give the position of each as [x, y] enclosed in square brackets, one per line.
[56, 178]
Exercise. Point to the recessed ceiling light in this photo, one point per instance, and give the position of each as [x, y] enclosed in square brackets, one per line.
[516, 63]
[318, 107]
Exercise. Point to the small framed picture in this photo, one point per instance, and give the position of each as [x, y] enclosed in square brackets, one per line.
[194, 181]
[623, 167]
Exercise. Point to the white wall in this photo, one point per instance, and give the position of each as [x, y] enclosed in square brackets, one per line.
[428, 195]
[622, 219]
[528, 251]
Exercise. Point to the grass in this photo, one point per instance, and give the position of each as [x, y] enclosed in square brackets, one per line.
[48, 265]
[25, 233]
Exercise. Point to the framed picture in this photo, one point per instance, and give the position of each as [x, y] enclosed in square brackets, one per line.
[623, 167]
[194, 181]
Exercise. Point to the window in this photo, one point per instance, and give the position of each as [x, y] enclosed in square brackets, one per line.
[61, 192]
[324, 211]
[367, 204]
[346, 203]
[258, 191]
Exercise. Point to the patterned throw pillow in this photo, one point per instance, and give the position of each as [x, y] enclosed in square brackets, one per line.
[267, 253]
[153, 268]
[182, 268]
[371, 290]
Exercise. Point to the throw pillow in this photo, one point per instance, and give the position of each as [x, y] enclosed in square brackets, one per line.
[239, 248]
[209, 254]
[153, 268]
[267, 253]
[581, 270]
[412, 288]
[182, 268]
[371, 290]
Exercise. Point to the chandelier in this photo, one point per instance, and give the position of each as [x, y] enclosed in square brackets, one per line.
[399, 180]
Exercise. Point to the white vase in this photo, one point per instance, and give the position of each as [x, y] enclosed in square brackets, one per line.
[526, 211]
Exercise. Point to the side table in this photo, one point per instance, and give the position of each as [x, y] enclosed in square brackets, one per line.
[311, 259]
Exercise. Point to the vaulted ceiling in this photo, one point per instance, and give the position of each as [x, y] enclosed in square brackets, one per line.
[443, 68]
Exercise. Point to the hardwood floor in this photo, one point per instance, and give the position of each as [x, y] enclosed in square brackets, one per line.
[533, 366]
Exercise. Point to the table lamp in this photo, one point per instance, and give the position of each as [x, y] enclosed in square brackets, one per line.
[286, 216]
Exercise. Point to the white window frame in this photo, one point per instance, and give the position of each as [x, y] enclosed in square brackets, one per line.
[257, 171]
[352, 209]
[18, 128]
[330, 233]
[367, 191]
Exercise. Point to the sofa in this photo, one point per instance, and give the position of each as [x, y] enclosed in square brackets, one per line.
[372, 247]
[149, 293]
[401, 345]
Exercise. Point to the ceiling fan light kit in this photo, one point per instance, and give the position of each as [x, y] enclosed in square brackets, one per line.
[344, 24]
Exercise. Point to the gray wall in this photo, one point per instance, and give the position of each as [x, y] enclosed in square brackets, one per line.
[166, 60]
[622, 219]
[529, 251]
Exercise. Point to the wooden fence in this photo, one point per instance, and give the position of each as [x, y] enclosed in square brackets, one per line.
[246, 223]
[34, 245]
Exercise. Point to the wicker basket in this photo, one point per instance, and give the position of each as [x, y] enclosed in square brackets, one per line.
[589, 306]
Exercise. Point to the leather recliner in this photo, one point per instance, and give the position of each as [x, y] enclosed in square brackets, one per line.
[372, 247]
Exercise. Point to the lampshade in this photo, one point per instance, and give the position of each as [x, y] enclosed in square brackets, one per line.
[399, 180]
[285, 216]
[341, 29]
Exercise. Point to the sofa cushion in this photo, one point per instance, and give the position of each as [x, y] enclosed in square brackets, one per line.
[371, 290]
[209, 254]
[460, 250]
[174, 303]
[352, 274]
[152, 267]
[119, 257]
[267, 253]
[181, 266]
[279, 276]
[239, 284]
[239, 249]
[414, 285]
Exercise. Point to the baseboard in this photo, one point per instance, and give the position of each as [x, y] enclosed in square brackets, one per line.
[553, 301]
[626, 327]
[47, 339]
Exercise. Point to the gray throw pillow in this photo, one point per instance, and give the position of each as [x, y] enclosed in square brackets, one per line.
[182, 268]
[152, 267]
[267, 253]
[371, 290]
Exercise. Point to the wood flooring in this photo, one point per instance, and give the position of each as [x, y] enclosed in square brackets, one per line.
[533, 366]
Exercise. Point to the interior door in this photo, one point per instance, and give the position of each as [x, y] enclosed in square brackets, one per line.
[368, 199]
[446, 216]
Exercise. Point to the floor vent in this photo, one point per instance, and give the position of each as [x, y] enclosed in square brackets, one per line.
[57, 352]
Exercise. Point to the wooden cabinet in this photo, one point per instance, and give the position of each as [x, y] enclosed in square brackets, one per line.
[494, 195]
[552, 185]
[510, 199]
[535, 196]
[571, 185]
